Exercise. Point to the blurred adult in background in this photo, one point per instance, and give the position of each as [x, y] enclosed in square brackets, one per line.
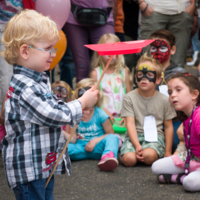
[195, 40]
[82, 29]
[8, 8]
[119, 22]
[67, 67]
[131, 12]
[173, 15]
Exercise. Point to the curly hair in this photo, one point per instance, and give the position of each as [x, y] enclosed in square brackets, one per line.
[26, 27]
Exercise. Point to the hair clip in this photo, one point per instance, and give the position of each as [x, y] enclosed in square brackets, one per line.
[187, 74]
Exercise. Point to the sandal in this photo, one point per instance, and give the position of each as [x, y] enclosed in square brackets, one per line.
[167, 178]
[178, 179]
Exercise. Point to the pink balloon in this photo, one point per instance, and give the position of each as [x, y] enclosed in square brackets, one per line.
[57, 10]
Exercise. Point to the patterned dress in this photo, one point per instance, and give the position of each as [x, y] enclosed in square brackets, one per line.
[113, 87]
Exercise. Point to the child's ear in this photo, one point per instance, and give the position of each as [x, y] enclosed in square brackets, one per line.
[158, 80]
[24, 51]
[173, 50]
[195, 94]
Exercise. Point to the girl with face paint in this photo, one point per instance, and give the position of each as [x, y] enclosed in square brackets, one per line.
[95, 135]
[63, 92]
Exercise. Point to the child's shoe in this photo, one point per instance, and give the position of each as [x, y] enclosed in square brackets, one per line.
[108, 162]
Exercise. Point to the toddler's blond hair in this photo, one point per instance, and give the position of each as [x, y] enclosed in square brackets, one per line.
[26, 27]
[151, 59]
[86, 82]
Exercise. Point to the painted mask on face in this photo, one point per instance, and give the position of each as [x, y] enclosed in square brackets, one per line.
[145, 71]
[82, 91]
[61, 93]
[160, 50]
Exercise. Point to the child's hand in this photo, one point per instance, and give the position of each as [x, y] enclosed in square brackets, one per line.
[123, 120]
[89, 98]
[90, 145]
[139, 153]
[86, 112]
[112, 119]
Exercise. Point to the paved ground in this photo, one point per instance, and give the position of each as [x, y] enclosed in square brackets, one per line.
[87, 182]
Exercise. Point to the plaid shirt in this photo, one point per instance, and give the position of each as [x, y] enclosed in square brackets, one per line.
[33, 121]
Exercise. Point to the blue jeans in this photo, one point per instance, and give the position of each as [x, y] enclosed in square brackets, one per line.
[35, 190]
[109, 143]
[195, 39]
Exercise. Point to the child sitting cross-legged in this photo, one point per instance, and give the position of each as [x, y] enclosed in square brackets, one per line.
[146, 111]
[95, 135]
[183, 168]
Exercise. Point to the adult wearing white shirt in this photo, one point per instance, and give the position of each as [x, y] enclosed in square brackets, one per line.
[173, 15]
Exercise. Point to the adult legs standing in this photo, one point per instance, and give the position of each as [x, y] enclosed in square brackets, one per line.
[77, 37]
[67, 67]
[180, 25]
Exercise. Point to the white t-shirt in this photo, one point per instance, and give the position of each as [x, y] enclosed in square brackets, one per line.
[169, 7]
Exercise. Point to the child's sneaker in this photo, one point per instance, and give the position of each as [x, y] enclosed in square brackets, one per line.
[108, 162]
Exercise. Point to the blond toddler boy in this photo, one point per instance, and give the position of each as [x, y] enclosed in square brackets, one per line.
[33, 115]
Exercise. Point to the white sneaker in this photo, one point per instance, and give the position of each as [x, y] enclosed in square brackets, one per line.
[195, 58]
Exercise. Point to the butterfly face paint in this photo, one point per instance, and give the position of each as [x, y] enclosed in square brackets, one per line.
[61, 93]
[146, 71]
[160, 50]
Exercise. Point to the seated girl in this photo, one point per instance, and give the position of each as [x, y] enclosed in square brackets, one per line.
[95, 135]
[64, 92]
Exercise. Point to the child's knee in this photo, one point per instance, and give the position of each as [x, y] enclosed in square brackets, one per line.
[191, 183]
[150, 156]
[155, 167]
[129, 159]
[112, 137]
